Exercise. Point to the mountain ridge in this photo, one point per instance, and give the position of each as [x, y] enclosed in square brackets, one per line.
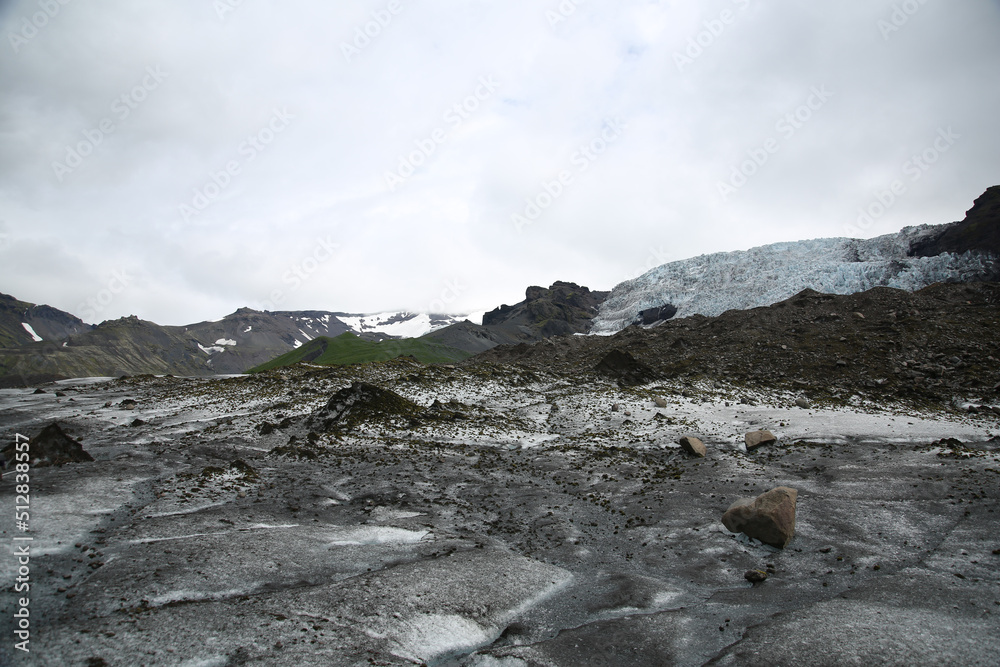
[41, 343]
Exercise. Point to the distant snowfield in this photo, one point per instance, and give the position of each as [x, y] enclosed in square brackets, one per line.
[712, 284]
[402, 325]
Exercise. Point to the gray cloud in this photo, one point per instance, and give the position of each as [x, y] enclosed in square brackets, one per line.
[224, 153]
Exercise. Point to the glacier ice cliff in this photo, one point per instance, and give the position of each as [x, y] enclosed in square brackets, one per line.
[712, 284]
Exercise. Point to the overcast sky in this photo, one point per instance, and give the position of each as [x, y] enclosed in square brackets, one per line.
[178, 159]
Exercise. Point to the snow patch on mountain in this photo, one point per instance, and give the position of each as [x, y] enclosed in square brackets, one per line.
[35, 337]
[712, 284]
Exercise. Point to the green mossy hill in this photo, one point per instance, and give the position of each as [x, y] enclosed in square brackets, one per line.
[349, 349]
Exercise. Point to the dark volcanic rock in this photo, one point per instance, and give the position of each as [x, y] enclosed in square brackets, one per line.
[980, 230]
[51, 447]
[363, 402]
[563, 308]
[654, 315]
[623, 367]
[770, 517]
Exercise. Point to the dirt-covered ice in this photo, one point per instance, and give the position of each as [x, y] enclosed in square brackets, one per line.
[514, 518]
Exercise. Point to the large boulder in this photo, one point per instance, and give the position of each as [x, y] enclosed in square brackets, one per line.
[755, 439]
[692, 445]
[770, 517]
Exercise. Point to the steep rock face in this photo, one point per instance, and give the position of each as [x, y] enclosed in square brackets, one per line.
[563, 308]
[979, 231]
[910, 259]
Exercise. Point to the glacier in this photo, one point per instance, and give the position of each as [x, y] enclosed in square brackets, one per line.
[712, 284]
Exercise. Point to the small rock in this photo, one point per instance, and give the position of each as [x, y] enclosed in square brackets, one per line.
[60, 394]
[755, 439]
[628, 413]
[841, 362]
[692, 445]
[770, 517]
[38, 391]
[860, 316]
[803, 402]
[755, 576]
[660, 402]
[127, 404]
[616, 407]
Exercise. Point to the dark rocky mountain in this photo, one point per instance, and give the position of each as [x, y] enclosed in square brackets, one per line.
[130, 346]
[47, 322]
[470, 337]
[561, 309]
[116, 347]
[564, 308]
[980, 230]
[248, 338]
